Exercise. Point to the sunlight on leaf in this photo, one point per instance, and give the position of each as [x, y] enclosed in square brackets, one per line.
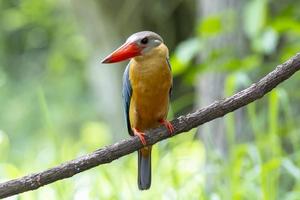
[184, 53]
[12, 19]
[255, 15]
[210, 26]
[266, 42]
[291, 168]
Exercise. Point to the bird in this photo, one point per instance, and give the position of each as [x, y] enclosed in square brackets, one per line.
[147, 87]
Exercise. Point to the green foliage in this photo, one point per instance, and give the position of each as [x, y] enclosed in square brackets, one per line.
[211, 26]
[255, 17]
[47, 112]
[267, 166]
[184, 54]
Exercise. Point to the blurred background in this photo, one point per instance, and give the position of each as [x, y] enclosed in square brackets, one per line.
[57, 101]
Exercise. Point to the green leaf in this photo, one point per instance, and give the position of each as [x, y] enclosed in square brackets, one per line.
[255, 15]
[291, 168]
[184, 53]
[267, 42]
[210, 26]
[283, 24]
[12, 19]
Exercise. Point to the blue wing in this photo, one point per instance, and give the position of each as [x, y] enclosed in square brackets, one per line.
[170, 92]
[127, 93]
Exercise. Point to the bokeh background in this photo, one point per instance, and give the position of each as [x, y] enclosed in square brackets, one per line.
[57, 101]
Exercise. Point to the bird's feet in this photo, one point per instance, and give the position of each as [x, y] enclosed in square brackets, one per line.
[168, 125]
[141, 135]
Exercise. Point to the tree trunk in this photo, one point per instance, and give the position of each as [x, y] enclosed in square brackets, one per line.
[210, 85]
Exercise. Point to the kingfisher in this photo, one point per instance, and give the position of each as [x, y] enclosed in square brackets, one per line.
[147, 86]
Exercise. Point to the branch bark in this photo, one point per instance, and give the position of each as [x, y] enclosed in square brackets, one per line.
[181, 124]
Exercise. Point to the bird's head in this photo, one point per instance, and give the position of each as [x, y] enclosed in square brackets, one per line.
[137, 44]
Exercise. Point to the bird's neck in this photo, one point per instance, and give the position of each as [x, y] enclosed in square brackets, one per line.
[160, 52]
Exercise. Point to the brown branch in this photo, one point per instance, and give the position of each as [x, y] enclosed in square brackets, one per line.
[183, 123]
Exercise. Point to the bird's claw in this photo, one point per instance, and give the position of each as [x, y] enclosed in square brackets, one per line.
[168, 125]
[141, 136]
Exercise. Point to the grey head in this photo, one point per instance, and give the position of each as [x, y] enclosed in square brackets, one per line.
[146, 40]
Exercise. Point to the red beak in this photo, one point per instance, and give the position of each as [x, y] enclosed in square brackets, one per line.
[124, 52]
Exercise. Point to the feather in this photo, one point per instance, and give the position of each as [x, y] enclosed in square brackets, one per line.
[127, 93]
[170, 92]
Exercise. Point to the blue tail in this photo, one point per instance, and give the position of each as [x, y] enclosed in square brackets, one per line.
[144, 168]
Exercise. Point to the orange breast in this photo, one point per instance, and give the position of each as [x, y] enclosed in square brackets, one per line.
[151, 80]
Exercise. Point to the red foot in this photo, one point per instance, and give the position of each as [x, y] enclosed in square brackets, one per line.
[168, 125]
[141, 135]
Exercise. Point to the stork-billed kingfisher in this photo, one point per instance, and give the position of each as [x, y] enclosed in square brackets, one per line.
[147, 85]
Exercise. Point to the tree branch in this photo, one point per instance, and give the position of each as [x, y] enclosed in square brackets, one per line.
[181, 124]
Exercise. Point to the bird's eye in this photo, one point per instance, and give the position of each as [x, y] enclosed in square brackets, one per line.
[144, 40]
